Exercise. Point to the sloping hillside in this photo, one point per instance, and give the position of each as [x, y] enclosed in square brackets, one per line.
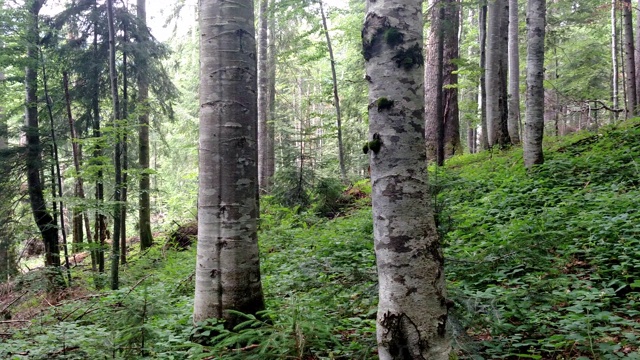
[543, 265]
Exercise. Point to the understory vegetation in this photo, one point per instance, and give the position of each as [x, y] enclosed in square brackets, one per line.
[542, 265]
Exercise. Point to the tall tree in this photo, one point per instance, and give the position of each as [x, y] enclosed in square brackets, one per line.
[412, 310]
[513, 122]
[496, 73]
[228, 265]
[451, 54]
[629, 57]
[614, 60]
[115, 256]
[336, 98]
[482, 102]
[263, 96]
[144, 212]
[433, 91]
[45, 222]
[534, 113]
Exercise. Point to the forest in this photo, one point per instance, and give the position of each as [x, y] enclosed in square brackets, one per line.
[319, 179]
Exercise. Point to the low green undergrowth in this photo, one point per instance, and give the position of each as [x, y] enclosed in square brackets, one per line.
[546, 265]
[542, 265]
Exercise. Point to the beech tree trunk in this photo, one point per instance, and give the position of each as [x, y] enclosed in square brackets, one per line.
[451, 53]
[496, 73]
[228, 264]
[115, 254]
[45, 222]
[144, 212]
[482, 35]
[629, 57]
[263, 97]
[412, 311]
[534, 115]
[433, 83]
[513, 122]
[614, 60]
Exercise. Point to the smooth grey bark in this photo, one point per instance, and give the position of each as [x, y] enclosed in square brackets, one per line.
[629, 57]
[451, 53]
[144, 212]
[614, 60]
[513, 122]
[433, 84]
[637, 56]
[482, 101]
[534, 113]
[44, 220]
[115, 254]
[496, 73]
[263, 97]
[412, 311]
[228, 264]
[271, 155]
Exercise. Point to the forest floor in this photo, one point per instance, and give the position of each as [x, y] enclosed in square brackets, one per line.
[541, 265]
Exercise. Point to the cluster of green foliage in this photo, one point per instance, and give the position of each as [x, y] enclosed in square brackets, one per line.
[546, 264]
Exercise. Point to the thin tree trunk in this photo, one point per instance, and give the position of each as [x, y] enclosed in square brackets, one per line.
[482, 34]
[336, 98]
[57, 175]
[146, 237]
[77, 160]
[627, 23]
[100, 219]
[228, 262]
[513, 122]
[271, 161]
[412, 310]
[636, 57]
[614, 60]
[534, 125]
[125, 154]
[115, 255]
[263, 98]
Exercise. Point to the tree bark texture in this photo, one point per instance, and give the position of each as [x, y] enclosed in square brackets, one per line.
[614, 60]
[629, 57]
[482, 102]
[513, 122]
[534, 116]
[451, 53]
[263, 97]
[636, 55]
[412, 312]
[144, 212]
[44, 220]
[433, 83]
[496, 72]
[228, 266]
